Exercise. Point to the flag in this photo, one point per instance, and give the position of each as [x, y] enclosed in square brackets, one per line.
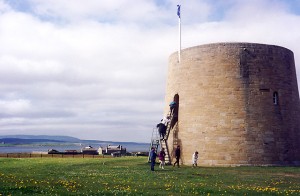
[178, 11]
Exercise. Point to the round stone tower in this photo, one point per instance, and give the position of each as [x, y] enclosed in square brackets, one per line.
[238, 104]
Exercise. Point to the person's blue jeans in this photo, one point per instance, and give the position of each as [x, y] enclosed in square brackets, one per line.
[152, 165]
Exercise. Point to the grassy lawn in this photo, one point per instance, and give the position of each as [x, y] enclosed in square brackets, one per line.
[132, 176]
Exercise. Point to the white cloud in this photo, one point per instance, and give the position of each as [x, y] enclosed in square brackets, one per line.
[98, 70]
[11, 107]
[106, 11]
[4, 7]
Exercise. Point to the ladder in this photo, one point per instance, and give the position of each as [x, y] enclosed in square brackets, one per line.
[164, 145]
[168, 129]
[159, 143]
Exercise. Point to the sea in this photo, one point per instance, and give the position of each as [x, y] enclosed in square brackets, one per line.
[62, 148]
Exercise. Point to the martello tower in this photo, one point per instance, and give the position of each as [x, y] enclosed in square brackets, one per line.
[238, 104]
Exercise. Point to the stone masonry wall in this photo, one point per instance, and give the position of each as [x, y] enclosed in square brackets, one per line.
[226, 104]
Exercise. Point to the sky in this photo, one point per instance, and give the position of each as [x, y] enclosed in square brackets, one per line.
[97, 69]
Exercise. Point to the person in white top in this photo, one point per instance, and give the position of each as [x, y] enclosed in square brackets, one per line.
[165, 122]
[195, 159]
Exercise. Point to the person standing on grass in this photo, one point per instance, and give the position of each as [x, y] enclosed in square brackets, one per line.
[161, 157]
[177, 156]
[195, 159]
[153, 156]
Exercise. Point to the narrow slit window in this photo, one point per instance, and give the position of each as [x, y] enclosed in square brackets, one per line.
[275, 98]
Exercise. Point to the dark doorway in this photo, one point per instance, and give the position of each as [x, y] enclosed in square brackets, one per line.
[175, 111]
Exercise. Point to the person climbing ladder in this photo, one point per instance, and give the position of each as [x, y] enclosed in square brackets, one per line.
[172, 105]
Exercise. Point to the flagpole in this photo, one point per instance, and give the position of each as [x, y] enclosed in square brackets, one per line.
[179, 29]
[179, 49]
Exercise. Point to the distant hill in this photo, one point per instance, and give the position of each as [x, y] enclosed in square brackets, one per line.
[18, 141]
[28, 139]
[43, 137]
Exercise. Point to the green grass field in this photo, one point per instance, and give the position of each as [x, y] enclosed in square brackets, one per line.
[132, 176]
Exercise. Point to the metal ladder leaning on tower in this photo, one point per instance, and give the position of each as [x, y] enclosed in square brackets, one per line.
[159, 143]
